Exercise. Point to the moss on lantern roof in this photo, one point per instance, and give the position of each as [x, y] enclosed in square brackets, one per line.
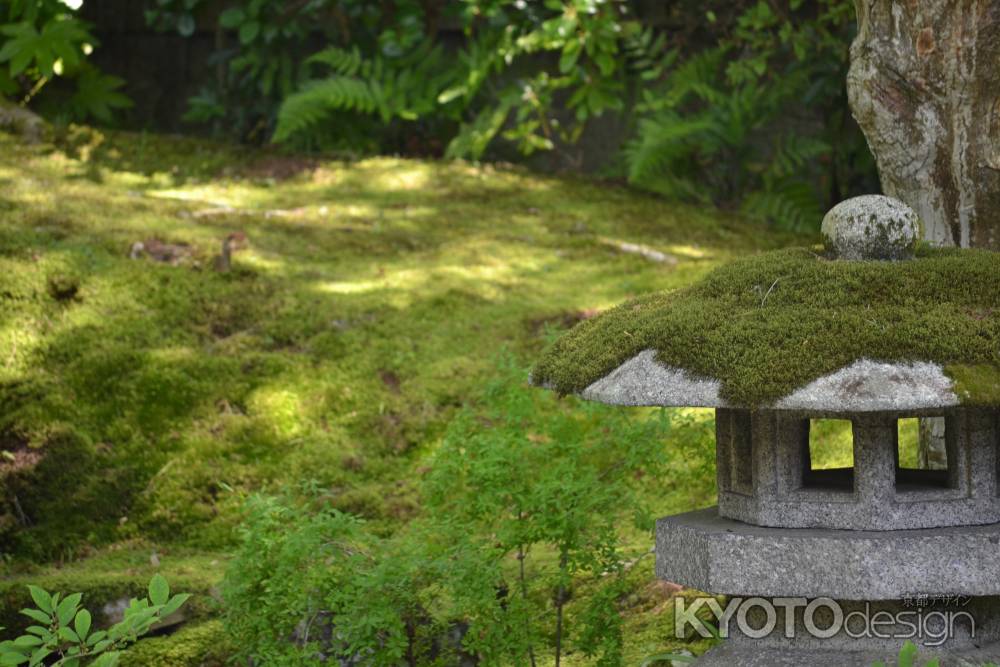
[766, 325]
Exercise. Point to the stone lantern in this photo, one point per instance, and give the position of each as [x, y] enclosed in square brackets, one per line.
[833, 566]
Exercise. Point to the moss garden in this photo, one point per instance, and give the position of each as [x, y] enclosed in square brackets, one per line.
[143, 402]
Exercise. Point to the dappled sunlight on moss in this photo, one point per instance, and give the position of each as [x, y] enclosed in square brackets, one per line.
[484, 279]
[688, 251]
[402, 176]
[280, 408]
[207, 195]
[367, 309]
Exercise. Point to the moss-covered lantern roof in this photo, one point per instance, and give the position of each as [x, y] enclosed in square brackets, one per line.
[797, 329]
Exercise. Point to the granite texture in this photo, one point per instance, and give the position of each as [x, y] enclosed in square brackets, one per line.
[871, 227]
[874, 386]
[730, 654]
[864, 386]
[642, 381]
[705, 551]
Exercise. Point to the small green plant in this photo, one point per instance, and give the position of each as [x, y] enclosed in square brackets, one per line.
[549, 489]
[518, 558]
[908, 655]
[64, 635]
[675, 659]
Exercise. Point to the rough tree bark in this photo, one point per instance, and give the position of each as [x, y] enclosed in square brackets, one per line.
[924, 85]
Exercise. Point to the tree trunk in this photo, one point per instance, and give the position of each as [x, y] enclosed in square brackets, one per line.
[924, 86]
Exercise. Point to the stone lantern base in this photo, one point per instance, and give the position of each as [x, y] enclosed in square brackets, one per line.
[731, 654]
[944, 582]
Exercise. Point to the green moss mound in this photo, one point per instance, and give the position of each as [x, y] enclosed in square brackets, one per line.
[204, 644]
[771, 323]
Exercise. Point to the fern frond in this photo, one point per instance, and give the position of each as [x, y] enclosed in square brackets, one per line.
[791, 204]
[341, 61]
[406, 87]
[316, 101]
[794, 151]
[660, 157]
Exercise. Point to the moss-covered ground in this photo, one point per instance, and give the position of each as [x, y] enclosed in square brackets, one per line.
[140, 402]
[767, 324]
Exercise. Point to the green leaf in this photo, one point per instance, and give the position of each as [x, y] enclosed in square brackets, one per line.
[38, 657]
[41, 598]
[67, 608]
[907, 654]
[249, 31]
[13, 659]
[159, 590]
[96, 637]
[7, 85]
[82, 624]
[232, 17]
[107, 660]
[567, 61]
[175, 604]
[22, 46]
[68, 635]
[37, 615]
[97, 95]
[27, 640]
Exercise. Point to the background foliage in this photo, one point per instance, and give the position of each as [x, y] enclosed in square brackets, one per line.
[738, 104]
[759, 119]
[43, 61]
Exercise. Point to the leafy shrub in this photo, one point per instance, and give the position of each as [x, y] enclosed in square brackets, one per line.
[740, 103]
[500, 83]
[311, 583]
[262, 61]
[391, 65]
[65, 633]
[518, 556]
[43, 53]
[730, 124]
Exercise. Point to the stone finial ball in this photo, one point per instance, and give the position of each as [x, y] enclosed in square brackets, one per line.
[871, 227]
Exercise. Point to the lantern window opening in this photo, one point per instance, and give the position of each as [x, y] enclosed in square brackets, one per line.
[828, 455]
[914, 474]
